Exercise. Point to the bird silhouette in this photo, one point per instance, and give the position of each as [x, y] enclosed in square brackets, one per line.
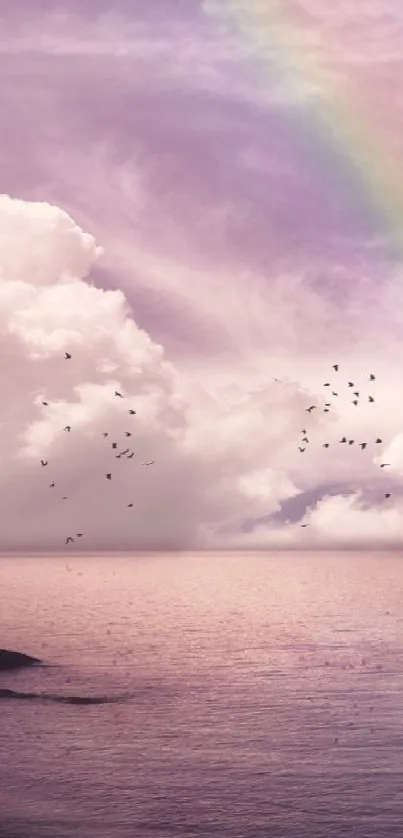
[344, 439]
[351, 442]
[108, 476]
[383, 465]
[326, 410]
[45, 404]
[355, 402]
[68, 428]
[67, 356]
[387, 495]
[44, 462]
[65, 497]
[114, 445]
[130, 504]
[119, 395]
[79, 534]
[356, 394]
[350, 384]
[69, 540]
[371, 377]
[311, 408]
[105, 433]
[151, 463]
[328, 404]
[304, 431]
[51, 486]
[363, 445]
[304, 525]
[132, 412]
[127, 433]
[371, 399]
[334, 394]
[336, 367]
[299, 449]
[326, 444]
[378, 441]
[129, 456]
[305, 439]
[327, 384]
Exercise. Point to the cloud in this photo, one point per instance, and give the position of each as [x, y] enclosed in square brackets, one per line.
[206, 456]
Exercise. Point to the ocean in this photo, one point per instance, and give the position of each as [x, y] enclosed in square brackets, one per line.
[246, 696]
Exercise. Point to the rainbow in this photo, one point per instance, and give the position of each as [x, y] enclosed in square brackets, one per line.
[337, 120]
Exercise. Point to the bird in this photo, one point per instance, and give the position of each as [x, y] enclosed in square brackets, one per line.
[305, 439]
[79, 534]
[356, 394]
[350, 384]
[344, 439]
[303, 431]
[328, 404]
[68, 428]
[304, 525]
[45, 404]
[326, 410]
[351, 442]
[311, 408]
[114, 445]
[363, 445]
[127, 433]
[327, 384]
[51, 486]
[371, 377]
[326, 444]
[130, 504]
[126, 451]
[44, 462]
[132, 412]
[108, 476]
[129, 456]
[69, 540]
[355, 402]
[67, 356]
[65, 497]
[378, 441]
[299, 449]
[105, 433]
[335, 367]
[334, 394]
[151, 463]
[371, 399]
[119, 395]
[387, 495]
[383, 465]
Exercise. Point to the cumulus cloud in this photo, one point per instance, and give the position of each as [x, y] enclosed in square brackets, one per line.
[207, 457]
[225, 445]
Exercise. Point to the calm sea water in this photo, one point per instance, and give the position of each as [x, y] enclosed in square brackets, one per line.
[263, 697]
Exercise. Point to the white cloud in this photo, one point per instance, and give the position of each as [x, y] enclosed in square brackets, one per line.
[206, 456]
[224, 437]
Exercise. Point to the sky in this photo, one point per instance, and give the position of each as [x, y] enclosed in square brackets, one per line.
[200, 202]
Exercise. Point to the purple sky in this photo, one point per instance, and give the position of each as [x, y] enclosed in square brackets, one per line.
[247, 247]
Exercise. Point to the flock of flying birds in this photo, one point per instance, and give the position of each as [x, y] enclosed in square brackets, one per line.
[125, 453]
[344, 440]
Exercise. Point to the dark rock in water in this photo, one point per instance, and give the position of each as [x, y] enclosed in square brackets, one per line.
[60, 699]
[15, 660]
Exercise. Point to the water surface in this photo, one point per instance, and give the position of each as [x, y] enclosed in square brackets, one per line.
[261, 696]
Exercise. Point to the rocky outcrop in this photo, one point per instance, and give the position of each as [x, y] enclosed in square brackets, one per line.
[15, 660]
